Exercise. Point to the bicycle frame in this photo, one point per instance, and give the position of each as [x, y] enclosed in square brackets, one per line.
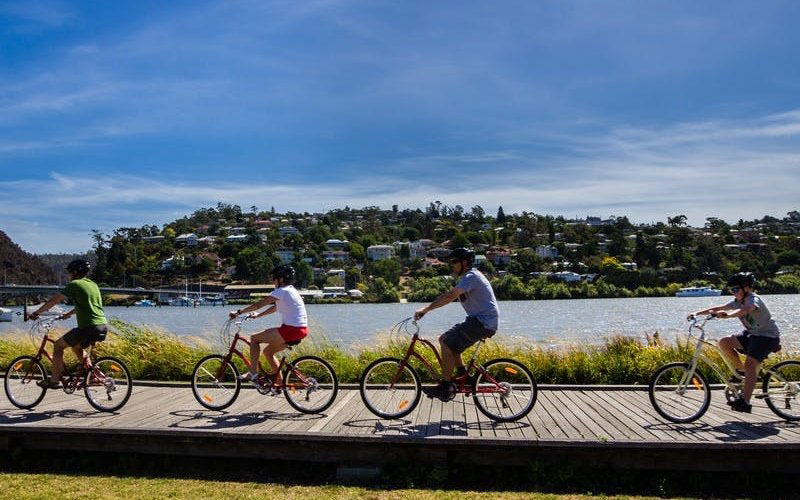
[461, 385]
[71, 381]
[233, 350]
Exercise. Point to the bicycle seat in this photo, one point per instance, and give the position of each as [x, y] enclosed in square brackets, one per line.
[777, 348]
[291, 343]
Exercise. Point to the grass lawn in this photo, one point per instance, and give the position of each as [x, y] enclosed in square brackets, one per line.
[49, 486]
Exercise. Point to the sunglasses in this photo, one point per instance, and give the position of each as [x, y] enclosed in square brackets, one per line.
[735, 289]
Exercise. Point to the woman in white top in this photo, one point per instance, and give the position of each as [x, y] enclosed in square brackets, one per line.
[294, 322]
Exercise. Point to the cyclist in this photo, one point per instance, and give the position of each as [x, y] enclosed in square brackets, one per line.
[294, 325]
[477, 299]
[759, 338]
[92, 324]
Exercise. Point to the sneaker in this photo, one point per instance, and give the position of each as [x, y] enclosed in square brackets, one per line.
[444, 391]
[248, 376]
[48, 384]
[742, 406]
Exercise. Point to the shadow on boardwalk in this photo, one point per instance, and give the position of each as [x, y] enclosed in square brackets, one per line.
[205, 419]
[30, 416]
[444, 427]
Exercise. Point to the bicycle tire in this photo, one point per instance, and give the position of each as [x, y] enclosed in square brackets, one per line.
[511, 388]
[210, 392]
[668, 399]
[381, 396]
[116, 376]
[782, 385]
[15, 382]
[322, 378]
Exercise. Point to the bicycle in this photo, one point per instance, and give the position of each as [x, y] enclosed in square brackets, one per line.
[106, 382]
[503, 389]
[681, 394]
[309, 383]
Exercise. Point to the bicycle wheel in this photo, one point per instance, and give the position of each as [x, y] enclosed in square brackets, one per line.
[20, 382]
[107, 385]
[781, 389]
[215, 382]
[390, 388]
[310, 384]
[504, 390]
[676, 396]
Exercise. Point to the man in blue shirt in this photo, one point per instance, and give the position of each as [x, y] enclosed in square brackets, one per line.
[478, 300]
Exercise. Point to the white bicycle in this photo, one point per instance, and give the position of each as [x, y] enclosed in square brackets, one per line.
[681, 394]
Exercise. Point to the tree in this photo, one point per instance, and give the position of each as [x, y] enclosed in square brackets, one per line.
[387, 269]
[253, 265]
[501, 216]
[677, 221]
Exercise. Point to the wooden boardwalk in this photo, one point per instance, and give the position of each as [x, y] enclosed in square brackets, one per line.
[616, 428]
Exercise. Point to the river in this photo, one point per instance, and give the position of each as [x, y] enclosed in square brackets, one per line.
[547, 323]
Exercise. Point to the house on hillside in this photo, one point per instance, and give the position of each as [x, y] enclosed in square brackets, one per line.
[187, 239]
[380, 252]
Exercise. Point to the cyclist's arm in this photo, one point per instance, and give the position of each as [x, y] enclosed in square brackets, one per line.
[710, 310]
[55, 299]
[68, 314]
[254, 307]
[442, 300]
[266, 311]
[738, 313]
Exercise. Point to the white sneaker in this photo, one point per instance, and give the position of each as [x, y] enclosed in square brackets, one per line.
[248, 376]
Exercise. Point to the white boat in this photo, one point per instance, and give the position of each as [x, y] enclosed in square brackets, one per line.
[698, 291]
[144, 303]
[6, 314]
[184, 301]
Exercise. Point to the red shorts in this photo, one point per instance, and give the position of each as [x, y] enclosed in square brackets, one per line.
[290, 333]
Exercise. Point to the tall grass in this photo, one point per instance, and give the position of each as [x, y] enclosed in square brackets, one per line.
[158, 355]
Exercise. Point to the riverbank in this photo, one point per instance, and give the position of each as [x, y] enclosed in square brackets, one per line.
[156, 355]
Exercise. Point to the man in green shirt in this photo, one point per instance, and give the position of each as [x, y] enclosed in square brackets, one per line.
[92, 324]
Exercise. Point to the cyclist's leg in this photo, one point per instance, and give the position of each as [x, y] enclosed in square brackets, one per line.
[757, 350]
[275, 344]
[72, 338]
[751, 366]
[255, 350]
[58, 359]
[731, 346]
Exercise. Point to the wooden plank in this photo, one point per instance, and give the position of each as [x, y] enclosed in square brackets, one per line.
[574, 428]
[343, 399]
[636, 418]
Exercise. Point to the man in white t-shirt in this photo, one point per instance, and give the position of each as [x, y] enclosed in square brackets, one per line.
[294, 322]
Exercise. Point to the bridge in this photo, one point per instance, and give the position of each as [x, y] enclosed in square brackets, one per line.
[22, 290]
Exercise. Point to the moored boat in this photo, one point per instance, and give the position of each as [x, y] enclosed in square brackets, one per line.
[698, 291]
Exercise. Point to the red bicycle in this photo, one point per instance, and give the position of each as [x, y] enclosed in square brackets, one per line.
[106, 382]
[309, 383]
[503, 389]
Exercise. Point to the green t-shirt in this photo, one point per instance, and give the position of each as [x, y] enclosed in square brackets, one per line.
[87, 300]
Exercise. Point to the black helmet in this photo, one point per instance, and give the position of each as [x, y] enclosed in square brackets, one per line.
[286, 273]
[79, 266]
[461, 254]
[742, 280]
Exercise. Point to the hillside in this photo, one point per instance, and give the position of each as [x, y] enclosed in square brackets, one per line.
[20, 267]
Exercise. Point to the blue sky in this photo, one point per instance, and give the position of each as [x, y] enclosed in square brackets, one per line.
[128, 113]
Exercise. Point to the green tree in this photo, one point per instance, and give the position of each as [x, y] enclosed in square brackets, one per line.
[388, 270]
[380, 290]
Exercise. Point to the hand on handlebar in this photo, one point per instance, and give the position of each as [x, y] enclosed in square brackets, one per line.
[418, 314]
[690, 317]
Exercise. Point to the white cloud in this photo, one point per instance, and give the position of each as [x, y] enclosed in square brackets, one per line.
[730, 169]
